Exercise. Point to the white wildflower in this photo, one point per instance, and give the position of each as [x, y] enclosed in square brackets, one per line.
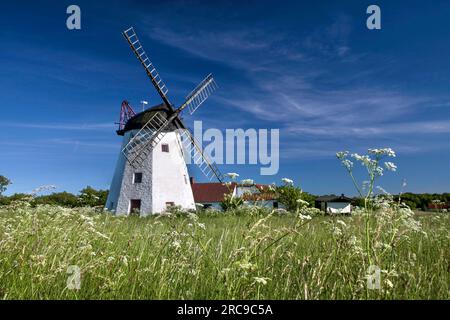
[353, 241]
[124, 260]
[246, 265]
[288, 181]
[383, 152]
[260, 280]
[337, 231]
[389, 283]
[192, 216]
[304, 217]
[365, 160]
[347, 164]
[225, 270]
[390, 166]
[201, 226]
[176, 244]
[303, 202]
[342, 155]
[379, 171]
[232, 175]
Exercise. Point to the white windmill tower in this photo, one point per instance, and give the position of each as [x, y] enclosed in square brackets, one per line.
[151, 172]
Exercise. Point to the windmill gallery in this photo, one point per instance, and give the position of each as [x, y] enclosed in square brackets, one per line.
[151, 172]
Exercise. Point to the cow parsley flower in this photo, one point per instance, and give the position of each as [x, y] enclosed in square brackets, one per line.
[365, 160]
[201, 226]
[176, 244]
[288, 181]
[383, 152]
[390, 166]
[124, 260]
[304, 217]
[260, 280]
[379, 171]
[342, 155]
[347, 164]
[246, 265]
[232, 175]
[389, 283]
[302, 202]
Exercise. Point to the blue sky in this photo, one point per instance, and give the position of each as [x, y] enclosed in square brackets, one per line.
[311, 69]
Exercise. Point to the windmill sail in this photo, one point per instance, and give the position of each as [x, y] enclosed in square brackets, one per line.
[151, 134]
[193, 149]
[139, 146]
[199, 95]
[133, 40]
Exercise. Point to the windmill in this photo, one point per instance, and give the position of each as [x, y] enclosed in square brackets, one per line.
[151, 172]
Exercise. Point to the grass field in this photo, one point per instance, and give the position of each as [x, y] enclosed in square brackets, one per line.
[247, 254]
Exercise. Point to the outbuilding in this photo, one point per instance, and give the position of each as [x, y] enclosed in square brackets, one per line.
[333, 204]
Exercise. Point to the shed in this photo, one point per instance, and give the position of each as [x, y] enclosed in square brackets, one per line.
[333, 204]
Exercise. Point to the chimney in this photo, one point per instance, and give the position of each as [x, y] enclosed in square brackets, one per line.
[191, 179]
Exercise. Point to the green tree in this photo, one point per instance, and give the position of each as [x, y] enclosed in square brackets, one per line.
[4, 183]
[91, 197]
[293, 198]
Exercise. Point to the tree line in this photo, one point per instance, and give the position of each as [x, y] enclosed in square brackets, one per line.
[288, 195]
[87, 197]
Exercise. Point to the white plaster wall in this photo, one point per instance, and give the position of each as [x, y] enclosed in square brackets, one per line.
[339, 207]
[170, 176]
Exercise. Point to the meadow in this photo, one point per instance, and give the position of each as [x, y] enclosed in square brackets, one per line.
[247, 253]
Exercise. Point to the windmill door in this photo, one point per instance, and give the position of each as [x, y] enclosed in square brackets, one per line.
[135, 207]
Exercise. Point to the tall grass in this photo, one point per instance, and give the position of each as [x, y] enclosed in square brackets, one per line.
[245, 254]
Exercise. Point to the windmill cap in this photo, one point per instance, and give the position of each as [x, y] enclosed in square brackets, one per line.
[139, 120]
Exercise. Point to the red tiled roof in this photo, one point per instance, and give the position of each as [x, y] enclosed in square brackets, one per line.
[210, 192]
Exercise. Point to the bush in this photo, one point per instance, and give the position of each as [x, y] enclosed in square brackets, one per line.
[231, 202]
[64, 199]
[293, 198]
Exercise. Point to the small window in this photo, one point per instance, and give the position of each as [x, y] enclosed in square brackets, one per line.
[275, 204]
[165, 148]
[137, 178]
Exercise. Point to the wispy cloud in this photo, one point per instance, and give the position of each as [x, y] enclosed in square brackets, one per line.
[61, 126]
[317, 87]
